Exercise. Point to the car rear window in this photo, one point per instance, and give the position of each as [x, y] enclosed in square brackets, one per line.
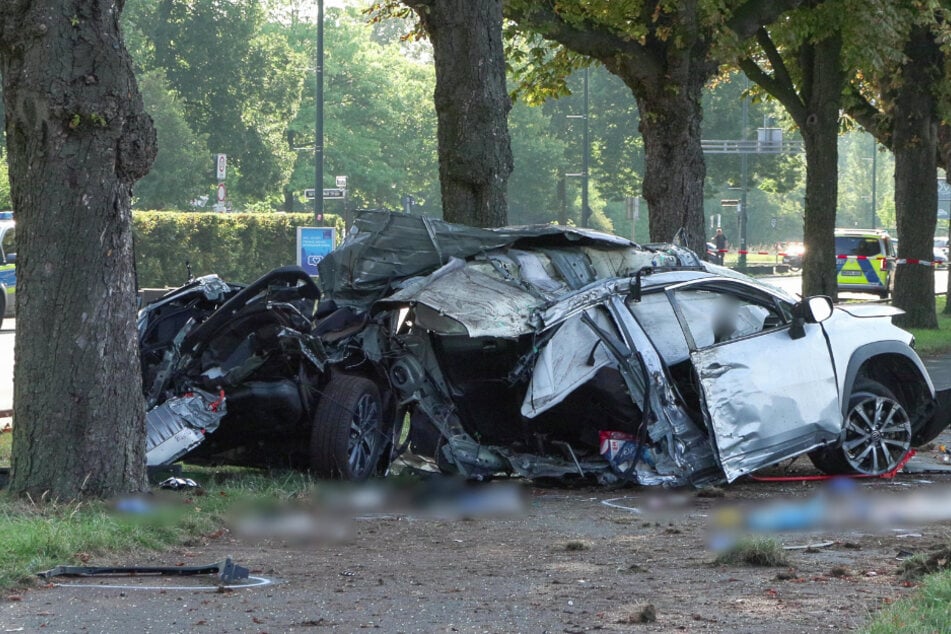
[855, 245]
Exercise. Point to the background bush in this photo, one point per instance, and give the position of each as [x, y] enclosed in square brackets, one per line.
[238, 247]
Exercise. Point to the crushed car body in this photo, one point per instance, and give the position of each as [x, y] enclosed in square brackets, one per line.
[551, 352]
[240, 374]
[215, 353]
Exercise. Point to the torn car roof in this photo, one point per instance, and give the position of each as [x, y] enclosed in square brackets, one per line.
[385, 249]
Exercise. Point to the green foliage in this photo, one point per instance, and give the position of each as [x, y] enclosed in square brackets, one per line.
[238, 247]
[935, 341]
[379, 117]
[924, 611]
[183, 168]
[5, 200]
[37, 537]
[239, 83]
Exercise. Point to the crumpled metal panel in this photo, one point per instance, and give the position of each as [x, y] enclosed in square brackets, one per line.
[761, 415]
[383, 248]
[179, 425]
[484, 304]
[682, 451]
[571, 358]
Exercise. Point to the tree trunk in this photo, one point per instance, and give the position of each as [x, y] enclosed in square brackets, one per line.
[915, 139]
[819, 126]
[819, 265]
[472, 106]
[78, 139]
[944, 155]
[673, 178]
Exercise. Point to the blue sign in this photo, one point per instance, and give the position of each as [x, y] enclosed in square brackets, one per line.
[313, 243]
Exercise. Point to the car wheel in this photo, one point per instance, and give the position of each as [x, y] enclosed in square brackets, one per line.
[348, 436]
[876, 434]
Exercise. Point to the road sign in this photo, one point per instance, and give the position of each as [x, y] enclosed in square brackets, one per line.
[221, 191]
[341, 182]
[328, 193]
[313, 243]
[221, 166]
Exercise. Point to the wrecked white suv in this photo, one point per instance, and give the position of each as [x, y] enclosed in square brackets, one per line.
[552, 352]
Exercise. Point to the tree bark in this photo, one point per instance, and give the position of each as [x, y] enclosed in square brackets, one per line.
[673, 177]
[944, 158]
[472, 106]
[666, 70]
[814, 105]
[820, 133]
[78, 139]
[915, 137]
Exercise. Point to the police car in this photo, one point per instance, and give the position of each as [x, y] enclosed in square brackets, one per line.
[865, 259]
[8, 256]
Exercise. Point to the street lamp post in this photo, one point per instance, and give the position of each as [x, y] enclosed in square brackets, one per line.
[874, 174]
[319, 124]
[585, 159]
[585, 153]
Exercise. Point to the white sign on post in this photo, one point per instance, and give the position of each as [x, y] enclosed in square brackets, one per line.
[221, 166]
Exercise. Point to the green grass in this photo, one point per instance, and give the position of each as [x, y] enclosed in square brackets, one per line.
[927, 610]
[732, 259]
[37, 537]
[933, 342]
[6, 444]
[754, 551]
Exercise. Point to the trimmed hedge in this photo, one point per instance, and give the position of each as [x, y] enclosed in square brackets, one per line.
[238, 247]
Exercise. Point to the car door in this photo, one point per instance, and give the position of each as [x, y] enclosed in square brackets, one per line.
[766, 395]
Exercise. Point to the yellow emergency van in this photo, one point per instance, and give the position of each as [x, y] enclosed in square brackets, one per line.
[865, 261]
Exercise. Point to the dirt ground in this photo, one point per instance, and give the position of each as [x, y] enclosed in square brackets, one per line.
[573, 560]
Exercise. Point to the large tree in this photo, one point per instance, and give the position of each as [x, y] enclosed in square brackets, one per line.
[902, 100]
[78, 139]
[472, 105]
[180, 172]
[665, 53]
[915, 143]
[239, 82]
[810, 88]
[377, 112]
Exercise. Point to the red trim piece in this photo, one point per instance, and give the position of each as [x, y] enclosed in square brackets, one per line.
[214, 406]
[888, 475]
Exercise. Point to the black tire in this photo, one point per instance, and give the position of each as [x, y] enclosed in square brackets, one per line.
[876, 434]
[348, 434]
[889, 287]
